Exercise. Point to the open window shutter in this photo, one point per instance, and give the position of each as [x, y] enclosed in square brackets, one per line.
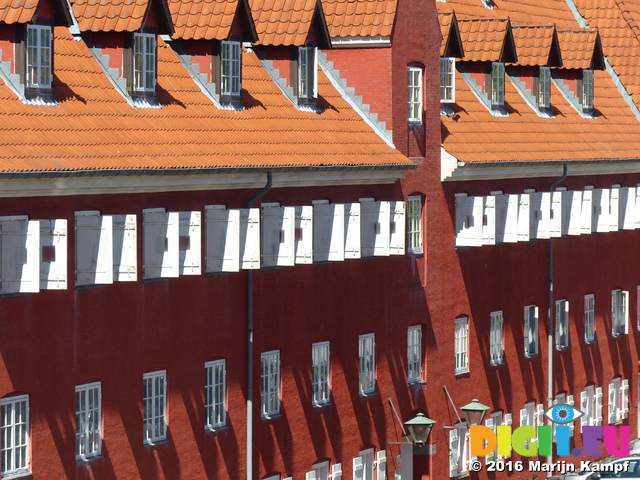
[94, 248]
[381, 227]
[278, 236]
[358, 469]
[538, 222]
[190, 243]
[250, 238]
[161, 243]
[571, 401]
[453, 452]
[558, 325]
[489, 220]
[304, 234]
[627, 208]
[469, 220]
[336, 471]
[397, 228]
[507, 218]
[586, 213]
[612, 404]
[539, 415]
[125, 252]
[555, 214]
[524, 217]
[53, 254]
[584, 406]
[614, 209]
[310, 475]
[624, 311]
[524, 417]
[636, 216]
[527, 320]
[624, 399]
[615, 321]
[328, 232]
[222, 244]
[20, 254]
[598, 401]
[601, 221]
[571, 212]
[381, 465]
[352, 230]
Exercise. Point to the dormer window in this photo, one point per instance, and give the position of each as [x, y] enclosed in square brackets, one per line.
[231, 68]
[144, 63]
[414, 102]
[497, 84]
[38, 66]
[544, 88]
[587, 90]
[447, 80]
[307, 74]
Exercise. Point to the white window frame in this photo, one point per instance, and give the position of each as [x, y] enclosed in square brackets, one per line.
[638, 307]
[497, 84]
[459, 452]
[618, 400]
[144, 62]
[531, 337]
[154, 402]
[320, 471]
[544, 87]
[88, 420]
[270, 383]
[363, 465]
[562, 325]
[589, 318]
[619, 312]
[39, 41]
[321, 374]
[215, 395]
[307, 72]
[366, 364]
[587, 89]
[494, 421]
[414, 354]
[414, 224]
[496, 339]
[13, 454]
[230, 68]
[588, 406]
[447, 80]
[414, 94]
[461, 345]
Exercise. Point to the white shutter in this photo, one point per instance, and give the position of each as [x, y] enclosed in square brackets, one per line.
[352, 230]
[555, 214]
[614, 209]
[381, 465]
[20, 254]
[161, 243]
[624, 399]
[584, 406]
[627, 208]
[598, 412]
[125, 251]
[526, 331]
[524, 217]
[375, 226]
[571, 401]
[636, 216]
[508, 419]
[328, 232]
[586, 212]
[53, 254]
[304, 234]
[612, 404]
[278, 236]
[539, 208]
[397, 228]
[336, 471]
[524, 417]
[222, 239]
[250, 238]
[489, 220]
[454, 447]
[94, 248]
[507, 218]
[571, 212]
[468, 220]
[358, 469]
[310, 475]
[600, 220]
[624, 311]
[190, 243]
[558, 325]
[539, 415]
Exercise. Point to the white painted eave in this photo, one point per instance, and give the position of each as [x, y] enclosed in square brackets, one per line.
[360, 42]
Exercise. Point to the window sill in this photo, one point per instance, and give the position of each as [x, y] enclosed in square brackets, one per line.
[272, 416]
[461, 372]
[368, 394]
[25, 474]
[220, 428]
[414, 383]
[155, 443]
[318, 406]
[85, 460]
[415, 252]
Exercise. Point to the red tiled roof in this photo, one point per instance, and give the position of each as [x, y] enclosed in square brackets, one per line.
[198, 19]
[17, 11]
[577, 47]
[533, 43]
[445, 19]
[483, 39]
[109, 15]
[93, 127]
[282, 22]
[360, 18]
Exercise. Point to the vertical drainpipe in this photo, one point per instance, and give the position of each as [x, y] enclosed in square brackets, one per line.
[264, 190]
[550, 329]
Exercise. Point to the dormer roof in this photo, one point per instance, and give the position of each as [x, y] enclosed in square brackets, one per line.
[451, 42]
[537, 45]
[210, 19]
[487, 40]
[288, 22]
[360, 18]
[581, 49]
[117, 15]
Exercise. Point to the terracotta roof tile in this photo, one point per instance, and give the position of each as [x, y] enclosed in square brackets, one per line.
[359, 18]
[282, 22]
[202, 19]
[483, 38]
[109, 15]
[17, 11]
[93, 127]
[445, 19]
[533, 43]
[577, 47]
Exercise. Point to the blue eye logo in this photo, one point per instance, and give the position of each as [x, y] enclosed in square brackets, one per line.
[563, 413]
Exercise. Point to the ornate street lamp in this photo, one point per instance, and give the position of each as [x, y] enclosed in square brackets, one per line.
[474, 412]
[420, 428]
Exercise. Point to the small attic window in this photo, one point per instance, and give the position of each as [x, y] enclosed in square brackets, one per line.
[544, 88]
[39, 75]
[586, 97]
[307, 72]
[497, 84]
[144, 63]
[447, 80]
[230, 69]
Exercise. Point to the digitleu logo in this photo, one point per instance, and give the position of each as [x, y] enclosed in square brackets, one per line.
[530, 441]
